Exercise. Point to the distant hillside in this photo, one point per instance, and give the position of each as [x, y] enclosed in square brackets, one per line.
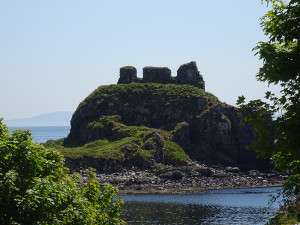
[49, 119]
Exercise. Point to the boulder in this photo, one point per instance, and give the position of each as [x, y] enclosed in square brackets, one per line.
[172, 175]
[232, 169]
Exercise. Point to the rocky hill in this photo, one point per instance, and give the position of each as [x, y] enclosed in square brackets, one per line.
[157, 119]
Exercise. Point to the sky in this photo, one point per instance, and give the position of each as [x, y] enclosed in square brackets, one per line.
[54, 53]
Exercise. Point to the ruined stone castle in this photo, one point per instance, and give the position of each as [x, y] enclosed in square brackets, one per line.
[186, 74]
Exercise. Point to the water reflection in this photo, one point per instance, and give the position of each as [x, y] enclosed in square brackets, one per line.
[238, 206]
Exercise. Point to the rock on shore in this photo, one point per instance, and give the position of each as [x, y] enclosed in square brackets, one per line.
[194, 178]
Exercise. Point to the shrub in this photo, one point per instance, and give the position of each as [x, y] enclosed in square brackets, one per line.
[35, 188]
[289, 212]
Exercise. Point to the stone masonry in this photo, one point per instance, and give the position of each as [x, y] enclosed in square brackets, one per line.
[186, 74]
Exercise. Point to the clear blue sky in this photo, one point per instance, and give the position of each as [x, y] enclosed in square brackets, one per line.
[54, 53]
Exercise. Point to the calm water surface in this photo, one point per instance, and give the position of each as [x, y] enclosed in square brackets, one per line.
[232, 206]
[43, 134]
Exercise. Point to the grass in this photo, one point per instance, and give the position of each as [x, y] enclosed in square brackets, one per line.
[118, 139]
[175, 153]
[133, 93]
[123, 141]
[96, 149]
[110, 127]
[179, 126]
[129, 67]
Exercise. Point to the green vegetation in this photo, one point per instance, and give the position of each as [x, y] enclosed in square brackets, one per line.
[143, 99]
[136, 93]
[129, 67]
[179, 126]
[110, 127]
[279, 140]
[97, 149]
[175, 152]
[289, 213]
[35, 188]
[119, 141]
[156, 67]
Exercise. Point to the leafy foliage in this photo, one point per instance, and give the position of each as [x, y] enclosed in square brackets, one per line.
[279, 139]
[289, 213]
[35, 188]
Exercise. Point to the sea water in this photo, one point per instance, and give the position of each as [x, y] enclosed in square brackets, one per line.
[228, 206]
[44, 133]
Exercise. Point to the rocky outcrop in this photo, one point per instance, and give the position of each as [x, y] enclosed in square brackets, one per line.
[186, 74]
[181, 134]
[152, 105]
[219, 137]
[207, 130]
[213, 135]
[154, 120]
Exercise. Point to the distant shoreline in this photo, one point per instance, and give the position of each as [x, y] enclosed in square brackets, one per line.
[61, 118]
[180, 191]
[28, 127]
[42, 134]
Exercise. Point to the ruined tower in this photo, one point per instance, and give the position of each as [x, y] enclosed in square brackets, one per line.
[186, 74]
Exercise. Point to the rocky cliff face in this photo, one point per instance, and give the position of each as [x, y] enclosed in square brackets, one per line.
[152, 105]
[206, 129]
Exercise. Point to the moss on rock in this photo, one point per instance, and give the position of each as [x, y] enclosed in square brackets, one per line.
[144, 124]
[129, 145]
[175, 154]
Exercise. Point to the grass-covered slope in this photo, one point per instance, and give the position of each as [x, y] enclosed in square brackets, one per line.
[149, 104]
[140, 124]
[142, 146]
[126, 93]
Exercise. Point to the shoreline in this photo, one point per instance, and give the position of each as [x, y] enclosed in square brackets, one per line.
[191, 179]
[123, 192]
